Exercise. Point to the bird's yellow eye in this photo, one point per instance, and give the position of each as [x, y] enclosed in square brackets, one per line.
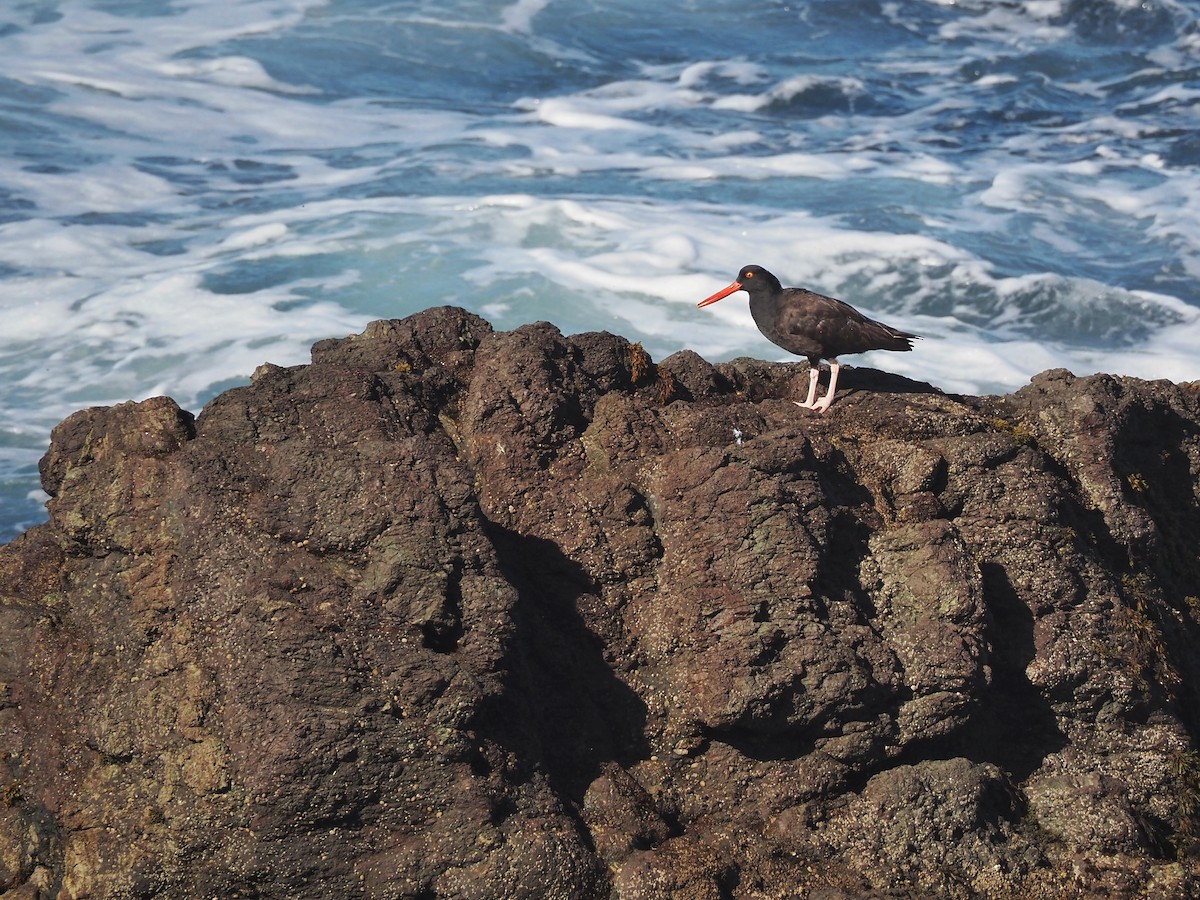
[749, 274]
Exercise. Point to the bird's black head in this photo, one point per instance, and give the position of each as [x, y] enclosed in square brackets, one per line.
[752, 280]
[756, 278]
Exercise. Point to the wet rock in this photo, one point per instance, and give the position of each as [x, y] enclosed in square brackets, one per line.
[457, 613]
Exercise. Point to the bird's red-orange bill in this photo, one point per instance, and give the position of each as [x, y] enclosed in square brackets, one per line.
[721, 294]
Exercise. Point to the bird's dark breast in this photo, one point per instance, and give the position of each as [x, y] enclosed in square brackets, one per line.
[799, 335]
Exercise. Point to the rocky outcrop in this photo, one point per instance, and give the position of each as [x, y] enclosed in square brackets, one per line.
[457, 613]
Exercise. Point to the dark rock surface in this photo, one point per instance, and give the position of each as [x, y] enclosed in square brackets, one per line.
[455, 613]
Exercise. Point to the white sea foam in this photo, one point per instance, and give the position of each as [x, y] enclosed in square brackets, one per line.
[194, 189]
[236, 71]
[787, 90]
[519, 17]
[565, 114]
[255, 237]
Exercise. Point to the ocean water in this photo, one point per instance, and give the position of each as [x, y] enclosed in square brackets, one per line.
[189, 188]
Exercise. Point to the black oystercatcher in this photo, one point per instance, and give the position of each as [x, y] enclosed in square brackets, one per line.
[812, 325]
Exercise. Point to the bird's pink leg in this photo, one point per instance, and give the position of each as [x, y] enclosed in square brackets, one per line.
[814, 373]
[825, 402]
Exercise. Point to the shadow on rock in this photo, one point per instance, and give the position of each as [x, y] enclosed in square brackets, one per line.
[879, 382]
[1015, 727]
[564, 702]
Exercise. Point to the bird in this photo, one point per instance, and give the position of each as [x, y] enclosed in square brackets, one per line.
[810, 324]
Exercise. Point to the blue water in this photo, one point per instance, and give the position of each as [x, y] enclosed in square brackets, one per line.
[191, 188]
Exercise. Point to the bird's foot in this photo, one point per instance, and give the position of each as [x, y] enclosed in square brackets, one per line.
[817, 405]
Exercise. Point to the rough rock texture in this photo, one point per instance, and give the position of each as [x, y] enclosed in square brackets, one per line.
[456, 613]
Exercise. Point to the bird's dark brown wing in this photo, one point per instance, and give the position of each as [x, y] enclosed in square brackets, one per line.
[826, 327]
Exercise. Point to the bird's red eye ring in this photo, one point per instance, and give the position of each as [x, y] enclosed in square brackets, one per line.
[749, 274]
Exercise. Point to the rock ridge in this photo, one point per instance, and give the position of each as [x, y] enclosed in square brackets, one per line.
[451, 612]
